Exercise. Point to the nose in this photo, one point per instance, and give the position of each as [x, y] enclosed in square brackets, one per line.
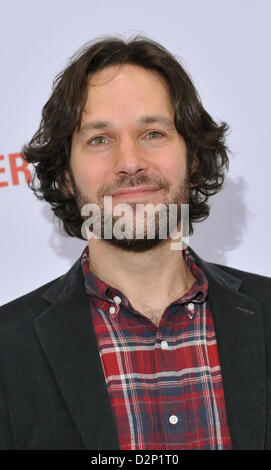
[129, 157]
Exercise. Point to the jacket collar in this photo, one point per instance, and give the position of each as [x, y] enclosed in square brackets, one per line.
[67, 336]
[74, 276]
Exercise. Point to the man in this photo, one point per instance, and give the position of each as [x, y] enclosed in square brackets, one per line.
[139, 346]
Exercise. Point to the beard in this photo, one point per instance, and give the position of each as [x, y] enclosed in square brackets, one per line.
[133, 242]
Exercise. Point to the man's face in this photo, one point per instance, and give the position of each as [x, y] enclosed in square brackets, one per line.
[128, 140]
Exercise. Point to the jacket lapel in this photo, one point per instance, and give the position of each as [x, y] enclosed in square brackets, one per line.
[240, 340]
[67, 337]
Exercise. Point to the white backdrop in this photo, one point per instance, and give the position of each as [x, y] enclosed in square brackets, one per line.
[224, 45]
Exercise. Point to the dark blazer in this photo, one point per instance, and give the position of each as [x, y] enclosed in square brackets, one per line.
[53, 393]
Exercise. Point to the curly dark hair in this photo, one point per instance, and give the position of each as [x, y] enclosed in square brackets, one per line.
[49, 148]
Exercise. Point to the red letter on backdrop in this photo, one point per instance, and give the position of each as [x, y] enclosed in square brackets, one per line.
[2, 170]
[14, 168]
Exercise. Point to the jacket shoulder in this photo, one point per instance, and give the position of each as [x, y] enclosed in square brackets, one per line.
[229, 274]
[254, 285]
[24, 307]
[241, 274]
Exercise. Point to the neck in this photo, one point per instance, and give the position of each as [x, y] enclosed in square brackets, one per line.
[159, 275]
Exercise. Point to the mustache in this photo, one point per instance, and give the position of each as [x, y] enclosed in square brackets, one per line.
[132, 181]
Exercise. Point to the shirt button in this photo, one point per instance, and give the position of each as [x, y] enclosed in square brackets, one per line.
[173, 419]
[164, 345]
[190, 306]
[112, 310]
[117, 299]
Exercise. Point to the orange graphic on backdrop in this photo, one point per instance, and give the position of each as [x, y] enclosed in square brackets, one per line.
[17, 165]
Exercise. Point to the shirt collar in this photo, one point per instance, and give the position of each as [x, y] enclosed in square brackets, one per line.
[95, 286]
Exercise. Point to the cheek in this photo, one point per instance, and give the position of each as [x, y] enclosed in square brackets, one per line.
[88, 176]
[173, 160]
[172, 169]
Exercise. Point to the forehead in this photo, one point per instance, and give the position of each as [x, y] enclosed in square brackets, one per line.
[126, 85]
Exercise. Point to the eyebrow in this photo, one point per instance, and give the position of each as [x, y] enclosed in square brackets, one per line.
[153, 119]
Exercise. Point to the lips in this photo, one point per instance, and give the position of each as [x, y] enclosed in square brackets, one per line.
[134, 191]
[139, 193]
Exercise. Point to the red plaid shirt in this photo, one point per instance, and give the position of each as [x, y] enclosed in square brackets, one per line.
[164, 383]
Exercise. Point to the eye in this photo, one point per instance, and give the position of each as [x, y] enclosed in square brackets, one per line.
[154, 134]
[98, 140]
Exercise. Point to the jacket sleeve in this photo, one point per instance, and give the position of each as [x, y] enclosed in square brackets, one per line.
[7, 441]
